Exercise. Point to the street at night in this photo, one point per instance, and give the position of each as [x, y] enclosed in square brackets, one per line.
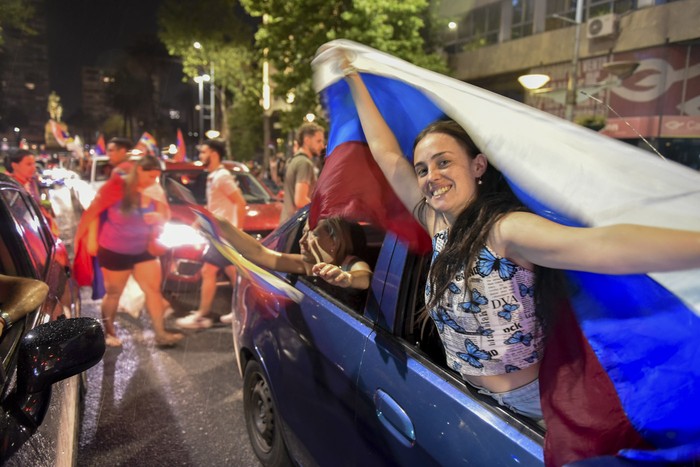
[151, 406]
[329, 233]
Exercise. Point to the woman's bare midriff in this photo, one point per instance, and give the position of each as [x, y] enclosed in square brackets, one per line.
[508, 381]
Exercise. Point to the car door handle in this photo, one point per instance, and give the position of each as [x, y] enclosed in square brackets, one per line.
[394, 418]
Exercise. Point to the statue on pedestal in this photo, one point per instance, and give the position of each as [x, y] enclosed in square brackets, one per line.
[55, 128]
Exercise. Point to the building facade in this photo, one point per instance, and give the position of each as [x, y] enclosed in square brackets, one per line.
[95, 86]
[24, 83]
[636, 63]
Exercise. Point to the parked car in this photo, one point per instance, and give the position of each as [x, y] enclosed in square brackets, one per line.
[357, 378]
[181, 266]
[43, 354]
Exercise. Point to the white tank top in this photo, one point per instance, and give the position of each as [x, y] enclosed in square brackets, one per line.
[487, 320]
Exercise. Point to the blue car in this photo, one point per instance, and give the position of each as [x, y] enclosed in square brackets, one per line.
[357, 378]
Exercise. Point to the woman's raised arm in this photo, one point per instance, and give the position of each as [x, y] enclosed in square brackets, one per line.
[383, 144]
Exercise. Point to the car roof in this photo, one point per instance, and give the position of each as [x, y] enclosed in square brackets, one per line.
[236, 166]
[187, 165]
[183, 165]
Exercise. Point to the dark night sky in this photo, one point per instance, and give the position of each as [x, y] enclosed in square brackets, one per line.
[88, 33]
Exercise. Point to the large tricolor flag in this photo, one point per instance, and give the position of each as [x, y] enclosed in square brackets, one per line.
[621, 374]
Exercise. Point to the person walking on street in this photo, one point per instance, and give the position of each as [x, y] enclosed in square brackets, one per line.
[118, 153]
[300, 176]
[224, 200]
[117, 228]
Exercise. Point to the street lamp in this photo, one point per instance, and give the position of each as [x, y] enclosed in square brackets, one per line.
[452, 26]
[533, 81]
[200, 83]
[212, 91]
[571, 83]
[266, 103]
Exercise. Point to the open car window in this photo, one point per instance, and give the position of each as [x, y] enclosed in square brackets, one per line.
[252, 190]
[352, 299]
[287, 241]
[420, 334]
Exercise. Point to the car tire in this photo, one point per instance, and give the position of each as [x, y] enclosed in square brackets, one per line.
[261, 418]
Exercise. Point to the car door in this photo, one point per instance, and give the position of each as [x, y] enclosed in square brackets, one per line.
[29, 249]
[311, 352]
[413, 411]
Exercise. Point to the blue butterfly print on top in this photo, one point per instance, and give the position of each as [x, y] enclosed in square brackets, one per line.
[484, 332]
[473, 355]
[519, 338]
[441, 319]
[453, 288]
[533, 357]
[486, 263]
[508, 309]
[512, 368]
[472, 306]
[525, 290]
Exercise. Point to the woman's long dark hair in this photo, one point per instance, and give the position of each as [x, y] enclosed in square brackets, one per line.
[469, 232]
[131, 197]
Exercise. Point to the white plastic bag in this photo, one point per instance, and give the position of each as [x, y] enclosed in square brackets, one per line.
[133, 299]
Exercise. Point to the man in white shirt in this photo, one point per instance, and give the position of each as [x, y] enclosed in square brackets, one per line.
[225, 200]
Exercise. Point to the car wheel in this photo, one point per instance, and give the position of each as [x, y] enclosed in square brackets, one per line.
[261, 418]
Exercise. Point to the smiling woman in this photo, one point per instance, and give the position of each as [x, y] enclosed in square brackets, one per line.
[495, 275]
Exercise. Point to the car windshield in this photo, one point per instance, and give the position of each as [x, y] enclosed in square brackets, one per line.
[252, 189]
[196, 182]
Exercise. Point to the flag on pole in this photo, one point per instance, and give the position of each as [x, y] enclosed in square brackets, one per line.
[181, 153]
[621, 373]
[100, 148]
[147, 144]
[61, 135]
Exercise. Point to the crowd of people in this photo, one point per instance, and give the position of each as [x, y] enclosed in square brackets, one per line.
[114, 237]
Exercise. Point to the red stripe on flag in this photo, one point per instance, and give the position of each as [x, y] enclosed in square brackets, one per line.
[582, 410]
[352, 186]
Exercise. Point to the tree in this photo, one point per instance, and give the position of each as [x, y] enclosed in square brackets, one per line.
[131, 94]
[226, 45]
[292, 32]
[15, 15]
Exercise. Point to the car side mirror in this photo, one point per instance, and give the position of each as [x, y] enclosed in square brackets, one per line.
[47, 354]
[58, 350]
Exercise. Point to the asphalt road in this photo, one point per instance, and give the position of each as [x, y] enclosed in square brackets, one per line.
[147, 406]
[177, 406]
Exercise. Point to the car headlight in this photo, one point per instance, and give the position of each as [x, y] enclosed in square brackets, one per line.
[175, 235]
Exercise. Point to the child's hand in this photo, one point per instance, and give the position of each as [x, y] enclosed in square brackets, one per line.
[332, 274]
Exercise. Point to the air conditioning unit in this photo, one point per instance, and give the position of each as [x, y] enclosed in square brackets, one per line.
[601, 26]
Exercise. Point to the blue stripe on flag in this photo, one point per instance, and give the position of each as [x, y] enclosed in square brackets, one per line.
[406, 110]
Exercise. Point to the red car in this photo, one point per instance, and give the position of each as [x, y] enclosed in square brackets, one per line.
[182, 263]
